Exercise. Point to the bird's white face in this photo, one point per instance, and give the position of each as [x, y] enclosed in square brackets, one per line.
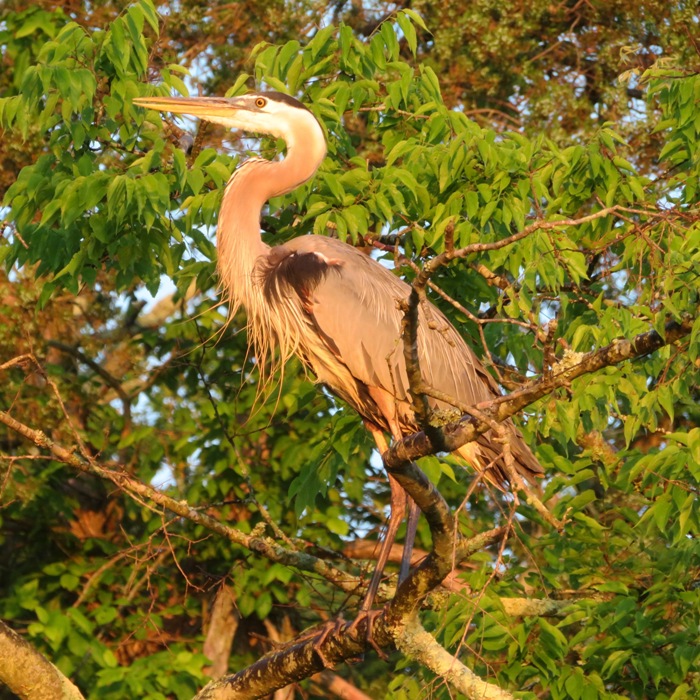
[265, 113]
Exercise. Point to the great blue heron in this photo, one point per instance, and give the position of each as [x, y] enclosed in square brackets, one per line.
[330, 304]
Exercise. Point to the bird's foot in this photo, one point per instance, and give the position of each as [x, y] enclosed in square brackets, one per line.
[370, 616]
[328, 628]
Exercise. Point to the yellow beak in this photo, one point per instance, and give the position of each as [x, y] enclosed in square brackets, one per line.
[203, 107]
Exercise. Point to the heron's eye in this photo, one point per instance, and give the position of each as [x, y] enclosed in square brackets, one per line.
[260, 102]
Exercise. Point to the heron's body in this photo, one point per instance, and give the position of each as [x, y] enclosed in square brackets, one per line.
[334, 307]
[348, 332]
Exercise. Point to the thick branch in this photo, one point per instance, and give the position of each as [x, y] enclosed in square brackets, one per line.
[339, 687]
[330, 645]
[306, 655]
[418, 644]
[223, 623]
[411, 306]
[424, 493]
[310, 653]
[28, 674]
[575, 365]
[410, 351]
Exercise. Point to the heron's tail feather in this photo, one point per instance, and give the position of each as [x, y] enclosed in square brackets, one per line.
[486, 456]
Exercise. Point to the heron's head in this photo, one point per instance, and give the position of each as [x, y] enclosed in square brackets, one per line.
[272, 113]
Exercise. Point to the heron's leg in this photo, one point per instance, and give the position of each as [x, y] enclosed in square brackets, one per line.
[400, 501]
[398, 508]
[411, 527]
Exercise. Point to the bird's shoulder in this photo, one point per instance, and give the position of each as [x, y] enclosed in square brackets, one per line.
[333, 271]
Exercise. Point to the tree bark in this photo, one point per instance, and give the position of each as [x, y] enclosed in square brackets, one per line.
[574, 365]
[28, 674]
[223, 623]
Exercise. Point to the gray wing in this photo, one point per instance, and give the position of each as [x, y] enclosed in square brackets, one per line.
[358, 308]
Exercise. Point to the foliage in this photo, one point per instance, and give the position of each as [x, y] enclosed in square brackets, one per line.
[108, 204]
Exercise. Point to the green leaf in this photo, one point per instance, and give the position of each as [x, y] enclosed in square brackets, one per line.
[552, 638]
[149, 12]
[408, 30]
[487, 212]
[661, 510]
[615, 661]
[665, 397]
[416, 18]
[263, 605]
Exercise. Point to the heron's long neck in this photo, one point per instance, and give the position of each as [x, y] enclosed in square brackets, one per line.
[238, 235]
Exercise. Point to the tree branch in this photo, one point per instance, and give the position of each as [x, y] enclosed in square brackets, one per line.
[574, 365]
[28, 674]
[108, 378]
[438, 261]
[411, 306]
[339, 687]
[137, 489]
[338, 642]
[396, 623]
[418, 644]
[223, 623]
[410, 350]
[308, 654]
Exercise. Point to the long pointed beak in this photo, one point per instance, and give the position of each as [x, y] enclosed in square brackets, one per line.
[202, 107]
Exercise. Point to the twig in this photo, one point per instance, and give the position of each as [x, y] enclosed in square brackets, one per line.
[276, 529]
[21, 360]
[443, 258]
[411, 306]
[394, 623]
[304, 656]
[109, 379]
